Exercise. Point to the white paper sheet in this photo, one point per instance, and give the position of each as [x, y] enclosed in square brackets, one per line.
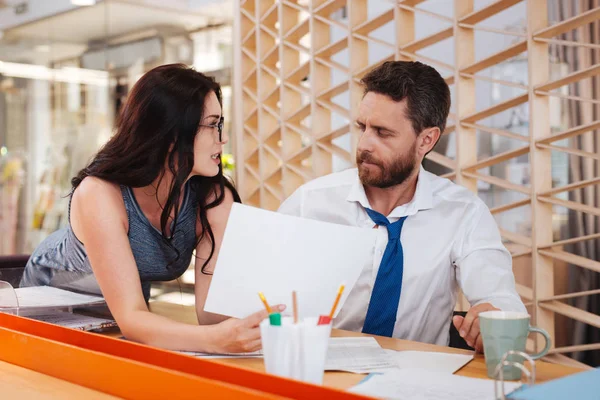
[264, 251]
[49, 297]
[431, 361]
[420, 384]
[255, 354]
[359, 355]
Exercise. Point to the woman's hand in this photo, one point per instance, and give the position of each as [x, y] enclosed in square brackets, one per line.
[241, 335]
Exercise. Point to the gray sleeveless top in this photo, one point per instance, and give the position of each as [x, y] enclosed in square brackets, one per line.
[61, 260]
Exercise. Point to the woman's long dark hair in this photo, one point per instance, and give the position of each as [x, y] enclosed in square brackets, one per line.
[163, 112]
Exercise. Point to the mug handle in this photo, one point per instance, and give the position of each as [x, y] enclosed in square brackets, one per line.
[548, 342]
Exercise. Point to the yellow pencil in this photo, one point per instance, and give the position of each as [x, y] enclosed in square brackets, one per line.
[295, 303]
[262, 297]
[337, 300]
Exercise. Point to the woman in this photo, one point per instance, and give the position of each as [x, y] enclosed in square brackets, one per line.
[153, 195]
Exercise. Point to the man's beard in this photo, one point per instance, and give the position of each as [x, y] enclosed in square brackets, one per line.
[384, 176]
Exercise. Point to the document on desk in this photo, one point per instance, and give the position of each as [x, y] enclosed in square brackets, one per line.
[264, 251]
[431, 361]
[51, 297]
[255, 354]
[357, 354]
[420, 384]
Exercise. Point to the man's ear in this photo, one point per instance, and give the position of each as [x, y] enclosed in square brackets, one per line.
[427, 140]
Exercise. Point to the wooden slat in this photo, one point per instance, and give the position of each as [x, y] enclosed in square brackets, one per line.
[578, 130]
[565, 242]
[572, 259]
[333, 64]
[370, 39]
[487, 11]
[333, 48]
[496, 58]
[497, 81]
[449, 80]
[571, 78]
[329, 6]
[515, 237]
[498, 158]
[510, 206]
[573, 205]
[336, 150]
[425, 12]
[298, 31]
[524, 291]
[569, 150]
[568, 43]
[503, 183]
[492, 30]
[567, 97]
[334, 107]
[335, 90]
[442, 160]
[299, 72]
[297, 47]
[330, 22]
[343, 130]
[570, 349]
[428, 40]
[299, 89]
[495, 131]
[570, 295]
[449, 129]
[498, 108]
[572, 312]
[433, 62]
[569, 24]
[572, 186]
[375, 23]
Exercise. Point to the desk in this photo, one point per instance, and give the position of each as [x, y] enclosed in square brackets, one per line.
[17, 382]
[343, 380]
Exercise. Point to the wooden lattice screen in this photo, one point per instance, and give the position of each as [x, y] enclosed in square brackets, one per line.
[296, 90]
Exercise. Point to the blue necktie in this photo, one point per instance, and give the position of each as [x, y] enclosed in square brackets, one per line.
[383, 307]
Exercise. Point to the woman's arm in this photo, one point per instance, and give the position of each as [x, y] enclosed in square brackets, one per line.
[99, 220]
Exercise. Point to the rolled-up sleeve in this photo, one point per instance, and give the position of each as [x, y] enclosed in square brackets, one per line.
[483, 265]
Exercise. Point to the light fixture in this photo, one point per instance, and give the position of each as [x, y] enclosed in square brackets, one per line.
[83, 2]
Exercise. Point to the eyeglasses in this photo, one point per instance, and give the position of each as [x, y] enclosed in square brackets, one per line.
[219, 127]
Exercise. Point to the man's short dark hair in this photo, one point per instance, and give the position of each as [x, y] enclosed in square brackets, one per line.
[427, 94]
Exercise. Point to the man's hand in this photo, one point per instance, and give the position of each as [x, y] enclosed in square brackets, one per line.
[468, 326]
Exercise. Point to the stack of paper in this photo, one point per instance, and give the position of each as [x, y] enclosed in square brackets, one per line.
[431, 361]
[51, 297]
[421, 384]
[357, 354]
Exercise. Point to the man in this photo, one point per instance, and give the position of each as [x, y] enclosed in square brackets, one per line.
[433, 235]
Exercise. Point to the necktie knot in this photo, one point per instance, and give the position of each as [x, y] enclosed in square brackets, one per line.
[394, 228]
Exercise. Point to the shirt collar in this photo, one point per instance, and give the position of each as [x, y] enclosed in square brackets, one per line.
[422, 200]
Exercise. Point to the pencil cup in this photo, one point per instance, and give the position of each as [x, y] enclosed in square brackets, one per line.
[296, 351]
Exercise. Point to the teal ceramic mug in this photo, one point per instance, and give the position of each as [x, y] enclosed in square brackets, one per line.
[503, 331]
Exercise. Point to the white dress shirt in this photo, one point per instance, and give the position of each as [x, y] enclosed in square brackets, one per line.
[449, 238]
